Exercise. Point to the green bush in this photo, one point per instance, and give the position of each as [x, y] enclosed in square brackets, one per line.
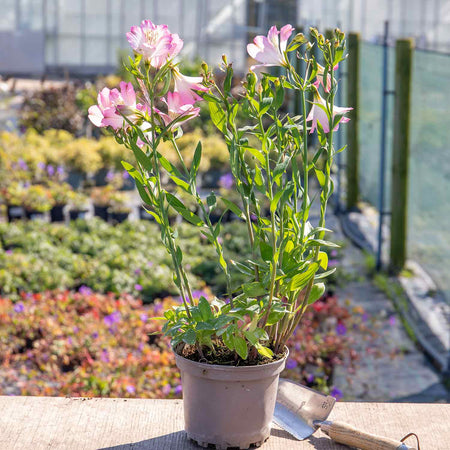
[123, 258]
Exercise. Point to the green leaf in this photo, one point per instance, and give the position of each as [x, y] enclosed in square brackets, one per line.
[256, 153]
[180, 182]
[208, 325]
[321, 242]
[168, 166]
[142, 158]
[260, 333]
[276, 314]
[280, 168]
[222, 262]
[323, 260]
[205, 309]
[320, 177]
[254, 289]
[240, 346]
[228, 340]
[251, 337]
[266, 251]
[132, 171]
[143, 193]
[233, 207]
[322, 275]
[264, 105]
[242, 268]
[189, 337]
[155, 216]
[259, 181]
[279, 96]
[275, 200]
[179, 207]
[264, 351]
[300, 280]
[211, 201]
[228, 80]
[316, 292]
[196, 314]
[196, 161]
[218, 116]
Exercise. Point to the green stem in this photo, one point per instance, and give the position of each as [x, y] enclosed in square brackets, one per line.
[167, 232]
[305, 168]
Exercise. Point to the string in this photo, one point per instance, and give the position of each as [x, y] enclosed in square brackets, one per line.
[409, 435]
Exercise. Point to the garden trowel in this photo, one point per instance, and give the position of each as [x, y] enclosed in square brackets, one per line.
[301, 411]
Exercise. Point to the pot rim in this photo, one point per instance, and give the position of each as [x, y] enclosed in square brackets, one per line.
[224, 367]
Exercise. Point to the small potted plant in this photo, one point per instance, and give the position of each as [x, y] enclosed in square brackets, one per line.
[37, 202]
[60, 193]
[79, 205]
[101, 198]
[111, 154]
[81, 158]
[231, 350]
[13, 195]
[119, 208]
[215, 150]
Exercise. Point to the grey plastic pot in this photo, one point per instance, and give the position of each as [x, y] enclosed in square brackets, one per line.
[229, 406]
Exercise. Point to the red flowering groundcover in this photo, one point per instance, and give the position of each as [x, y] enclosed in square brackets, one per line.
[88, 344]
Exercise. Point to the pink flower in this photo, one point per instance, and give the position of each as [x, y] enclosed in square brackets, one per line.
[111, 104]
[318, 114]
[154, 42]
[319, 77]
[269, 51]
[176, 107]
[186, 86]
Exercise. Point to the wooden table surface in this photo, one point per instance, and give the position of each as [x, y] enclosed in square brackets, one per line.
[74, 423]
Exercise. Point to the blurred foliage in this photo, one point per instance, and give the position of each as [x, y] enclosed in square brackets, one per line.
[94, 345]
[54, 107]
[125, 258]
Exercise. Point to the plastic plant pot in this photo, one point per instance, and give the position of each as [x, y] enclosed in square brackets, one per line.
[229, 406]
[15, 212]
[57, 213]
[102, 212]
[119, 217]
[75, 214]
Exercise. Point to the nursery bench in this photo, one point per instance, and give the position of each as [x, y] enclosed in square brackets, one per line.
[80, 423]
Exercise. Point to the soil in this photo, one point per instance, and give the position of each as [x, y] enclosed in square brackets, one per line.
[223, 356]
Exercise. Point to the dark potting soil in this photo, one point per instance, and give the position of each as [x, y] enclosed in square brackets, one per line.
[223, 356]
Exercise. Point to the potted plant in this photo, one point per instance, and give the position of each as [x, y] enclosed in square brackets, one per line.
[37, 202]
[79, 205]
[111, 154]
[119, 208]
[215, 150]
[13, 195]
[231, 350]
[101, 198]
[60, 192]
[81, 157]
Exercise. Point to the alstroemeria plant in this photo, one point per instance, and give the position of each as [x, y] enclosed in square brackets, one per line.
[287, 269]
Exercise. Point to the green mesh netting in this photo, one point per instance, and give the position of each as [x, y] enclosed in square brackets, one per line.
[429, 186]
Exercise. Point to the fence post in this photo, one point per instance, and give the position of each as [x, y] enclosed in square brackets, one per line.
[352, 127]
[400, 155]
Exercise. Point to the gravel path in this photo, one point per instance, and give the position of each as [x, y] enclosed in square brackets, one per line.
[391, 367]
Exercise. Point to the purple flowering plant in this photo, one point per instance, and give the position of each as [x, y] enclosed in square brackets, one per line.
[286, 271]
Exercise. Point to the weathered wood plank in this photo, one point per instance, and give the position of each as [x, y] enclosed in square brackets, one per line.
[63, 423]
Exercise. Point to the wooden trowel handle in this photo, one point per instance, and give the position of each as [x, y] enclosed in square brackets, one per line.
[348, 435]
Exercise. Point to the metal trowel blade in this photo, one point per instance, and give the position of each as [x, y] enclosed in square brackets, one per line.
[298, 407]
